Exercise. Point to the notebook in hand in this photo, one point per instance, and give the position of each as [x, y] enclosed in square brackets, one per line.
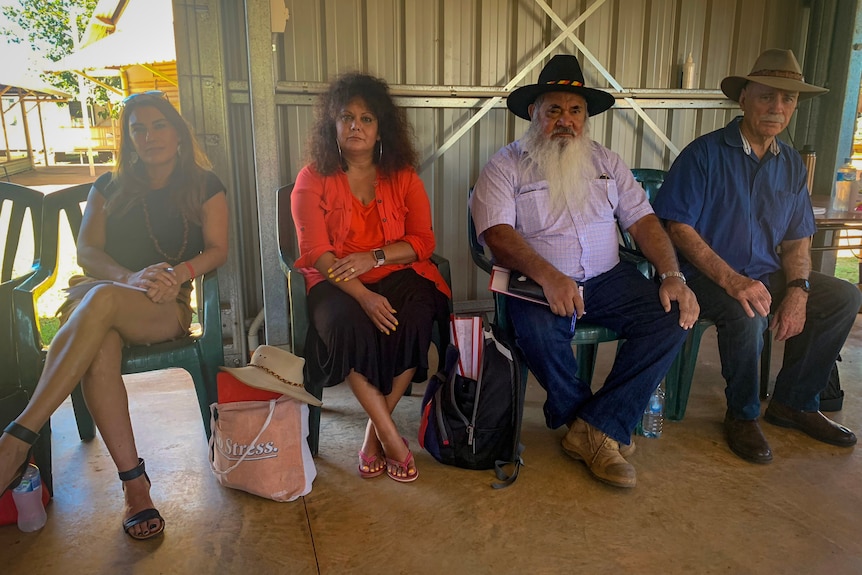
[509, 283]
[521, 285]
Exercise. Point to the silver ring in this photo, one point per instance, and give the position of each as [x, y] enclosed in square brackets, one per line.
[353, 270]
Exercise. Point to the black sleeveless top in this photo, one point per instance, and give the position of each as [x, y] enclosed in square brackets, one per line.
[129, 241]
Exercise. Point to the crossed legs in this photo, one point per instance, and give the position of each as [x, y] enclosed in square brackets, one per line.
[89, 348]
[381, 433]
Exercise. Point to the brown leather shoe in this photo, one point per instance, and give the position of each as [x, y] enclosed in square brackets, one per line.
[625, 450]
[812, 423]
[746, 439]
[600, 453]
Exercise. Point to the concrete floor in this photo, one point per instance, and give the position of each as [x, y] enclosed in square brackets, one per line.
[697, 507]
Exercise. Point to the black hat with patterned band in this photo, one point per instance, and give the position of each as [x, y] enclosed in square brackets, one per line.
[561, 74]
[777, 69]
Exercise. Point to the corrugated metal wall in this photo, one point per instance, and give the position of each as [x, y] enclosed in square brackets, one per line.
[444, 58]
[486, 42]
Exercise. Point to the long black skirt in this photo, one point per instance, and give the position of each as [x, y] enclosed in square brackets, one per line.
[341, 337]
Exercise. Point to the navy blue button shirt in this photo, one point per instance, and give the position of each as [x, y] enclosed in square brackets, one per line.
[741, 206]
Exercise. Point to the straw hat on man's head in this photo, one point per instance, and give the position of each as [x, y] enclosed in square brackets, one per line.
[561, 74]
[275, 370]
[777, 69]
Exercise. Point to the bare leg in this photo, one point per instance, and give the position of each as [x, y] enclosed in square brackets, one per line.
[379, 409]
[129, 313]
[371, 444]
[108, 402]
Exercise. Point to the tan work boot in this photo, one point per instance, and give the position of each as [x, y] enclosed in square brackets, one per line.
[601, 454]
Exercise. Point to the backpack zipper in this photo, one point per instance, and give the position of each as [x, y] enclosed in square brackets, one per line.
[471, 424]
[454, 403]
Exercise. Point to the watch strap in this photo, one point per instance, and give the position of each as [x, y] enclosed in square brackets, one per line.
[380, 256]
[674, 274]
[800, 283]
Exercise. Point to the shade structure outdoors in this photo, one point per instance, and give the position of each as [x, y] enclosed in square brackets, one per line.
[143, 34]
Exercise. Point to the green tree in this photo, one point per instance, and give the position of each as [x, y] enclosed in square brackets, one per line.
[47, 26]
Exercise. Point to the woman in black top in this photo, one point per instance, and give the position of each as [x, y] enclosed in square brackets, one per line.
[157, 221]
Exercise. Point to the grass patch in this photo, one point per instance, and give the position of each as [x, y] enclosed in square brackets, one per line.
[50, 325]
[848, 269]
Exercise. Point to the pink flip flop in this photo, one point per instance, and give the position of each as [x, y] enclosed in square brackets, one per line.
[403, 466]
[366, 461]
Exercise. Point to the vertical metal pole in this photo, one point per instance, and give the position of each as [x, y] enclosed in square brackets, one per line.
[26, 126]
[42, 130]
[5, 133]
[266, 165]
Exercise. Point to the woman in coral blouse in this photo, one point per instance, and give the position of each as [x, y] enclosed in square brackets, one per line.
[365, 238]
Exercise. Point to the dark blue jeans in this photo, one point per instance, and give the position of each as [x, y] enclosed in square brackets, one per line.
[623, 300]
[808, 357]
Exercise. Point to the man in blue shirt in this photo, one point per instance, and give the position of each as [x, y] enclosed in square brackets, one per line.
[736, 206]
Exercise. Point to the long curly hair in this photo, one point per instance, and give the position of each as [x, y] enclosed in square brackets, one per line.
[396, 133]
[130, 174]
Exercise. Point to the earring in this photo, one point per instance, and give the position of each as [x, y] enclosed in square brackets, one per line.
[179, 150]
[340, 157]
[380, 156]
[134, 158]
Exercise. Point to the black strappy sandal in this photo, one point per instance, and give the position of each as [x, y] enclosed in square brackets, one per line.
[29, 437]
[141, 516]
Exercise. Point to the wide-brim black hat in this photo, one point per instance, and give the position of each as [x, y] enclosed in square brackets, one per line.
[561, 74]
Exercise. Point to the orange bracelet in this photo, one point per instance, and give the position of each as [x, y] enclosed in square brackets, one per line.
[191, 270]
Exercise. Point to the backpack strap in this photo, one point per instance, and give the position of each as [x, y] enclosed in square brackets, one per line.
[520, 386]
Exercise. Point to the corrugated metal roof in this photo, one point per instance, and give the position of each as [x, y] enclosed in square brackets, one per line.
[12, 82]
[144, 35]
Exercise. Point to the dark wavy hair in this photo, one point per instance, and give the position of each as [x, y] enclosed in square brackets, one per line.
[396, 133]
[130, 174]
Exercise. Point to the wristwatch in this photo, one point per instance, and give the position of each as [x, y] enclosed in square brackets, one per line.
[380, 256]
[666, 275]
[800, 283]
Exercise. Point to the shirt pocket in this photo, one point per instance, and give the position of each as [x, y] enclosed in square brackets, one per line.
[602, 200]
[395, 220]
[334, 215]
[532, 208]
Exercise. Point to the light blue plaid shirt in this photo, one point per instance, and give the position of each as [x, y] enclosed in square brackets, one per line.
[581, 241]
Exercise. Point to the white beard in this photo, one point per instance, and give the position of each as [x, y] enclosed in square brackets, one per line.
[565, 163]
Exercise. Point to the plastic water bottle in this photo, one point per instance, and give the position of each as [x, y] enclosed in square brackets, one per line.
[654, 414]
[845, 187]
[28, 501]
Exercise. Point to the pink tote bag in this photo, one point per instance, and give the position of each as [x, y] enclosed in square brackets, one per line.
[260, 447]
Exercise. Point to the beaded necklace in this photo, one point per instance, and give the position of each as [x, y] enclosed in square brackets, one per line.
[168, 257]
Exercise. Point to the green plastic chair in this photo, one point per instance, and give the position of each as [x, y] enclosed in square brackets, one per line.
[200, 354]
[19, 204]
[681, 373]
[587, 336]
[298, 312]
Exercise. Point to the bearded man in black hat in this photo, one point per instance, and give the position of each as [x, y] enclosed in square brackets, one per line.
[548, 205]
[736, 206]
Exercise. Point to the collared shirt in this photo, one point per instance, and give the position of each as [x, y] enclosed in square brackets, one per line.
[582, 241]
[742, 206]
[323, 207]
